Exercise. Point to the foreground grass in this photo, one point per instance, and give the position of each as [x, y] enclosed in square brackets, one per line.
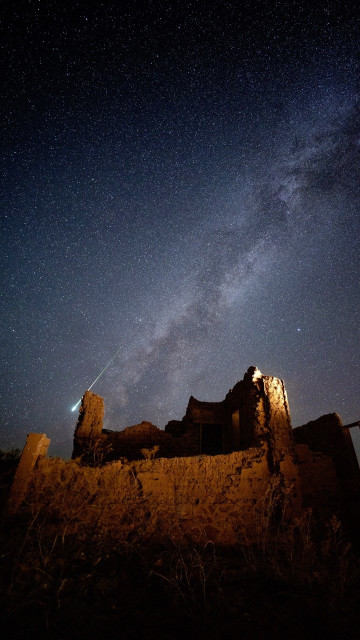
[296, 583]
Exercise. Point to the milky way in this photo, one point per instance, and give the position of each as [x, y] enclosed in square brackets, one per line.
[181, 183]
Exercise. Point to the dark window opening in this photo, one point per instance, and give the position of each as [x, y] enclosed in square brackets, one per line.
[211, 439]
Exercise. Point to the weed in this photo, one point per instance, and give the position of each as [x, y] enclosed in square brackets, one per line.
[296, 550]
[150, 454]
[96, 451]
[195, 574]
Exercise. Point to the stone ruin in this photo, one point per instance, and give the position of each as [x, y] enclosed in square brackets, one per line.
[256, 410]
[215, 464]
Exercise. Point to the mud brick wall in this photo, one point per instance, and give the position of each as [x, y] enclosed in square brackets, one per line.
[329, 473]
[243, 399]
[206, 412]
[91, 416]
[223, 498]
[36, 446]
[327, 435]
[129, 442]
[319, 482]
[90, 422]
[277, 429]
[255, 411]
[264, 413]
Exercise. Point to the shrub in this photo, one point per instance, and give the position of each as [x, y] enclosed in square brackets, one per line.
[96, 451]
[149, 454]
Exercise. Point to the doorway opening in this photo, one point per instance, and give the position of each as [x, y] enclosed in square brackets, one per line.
[211, 439]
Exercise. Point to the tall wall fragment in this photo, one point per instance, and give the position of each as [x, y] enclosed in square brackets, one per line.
[36, 447]
[327, 435]
[328, 467]
[90, 422]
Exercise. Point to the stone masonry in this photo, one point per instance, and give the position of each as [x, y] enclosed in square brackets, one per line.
[214, 471]
[255, 411]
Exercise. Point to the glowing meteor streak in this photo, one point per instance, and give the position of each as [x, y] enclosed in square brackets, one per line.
[96, 379]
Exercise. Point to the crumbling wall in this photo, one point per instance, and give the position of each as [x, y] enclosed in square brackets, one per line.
[130, 442]
[91, 416]
[90, 422]
[259, 404]
[327, 435]
[275, 426]
[255, 411]
[225, 498]
[242, 403]
[205, 412]
[319, 482]
[264, 417]
[331, 466]
[36, 446]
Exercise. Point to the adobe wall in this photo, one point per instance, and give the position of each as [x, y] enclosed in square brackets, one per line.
[327, 435]
[264, 417]
[225, 498]
[36, 447]
[328, 468]
[244, 401]
[90, 421]
[253, 412]
[129, 442]
[205, 412]
[319, 482]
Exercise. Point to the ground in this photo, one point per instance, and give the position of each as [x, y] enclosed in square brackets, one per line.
[295, 584]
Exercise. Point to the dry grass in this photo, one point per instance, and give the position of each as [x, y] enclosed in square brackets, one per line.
[76, 563]
[96, 451]
[150, 454]
[194, 574]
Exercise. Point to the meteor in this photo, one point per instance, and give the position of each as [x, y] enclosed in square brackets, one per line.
[96, 379]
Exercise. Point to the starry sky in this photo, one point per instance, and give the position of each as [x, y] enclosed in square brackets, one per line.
[181, 185]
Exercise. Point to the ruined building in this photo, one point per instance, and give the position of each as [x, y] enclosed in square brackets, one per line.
[254, 411]
[212, 469]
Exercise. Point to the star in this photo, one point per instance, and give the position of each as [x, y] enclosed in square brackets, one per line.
[183, 193]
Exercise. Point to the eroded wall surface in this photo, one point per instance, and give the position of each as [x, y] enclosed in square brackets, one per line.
[35, 448]
[91, 416]
[328, 468]
[90, 422]
[226, 498]
[327, 435]
[253, 412]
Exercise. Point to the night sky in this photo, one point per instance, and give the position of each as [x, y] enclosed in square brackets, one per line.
[181, 183]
